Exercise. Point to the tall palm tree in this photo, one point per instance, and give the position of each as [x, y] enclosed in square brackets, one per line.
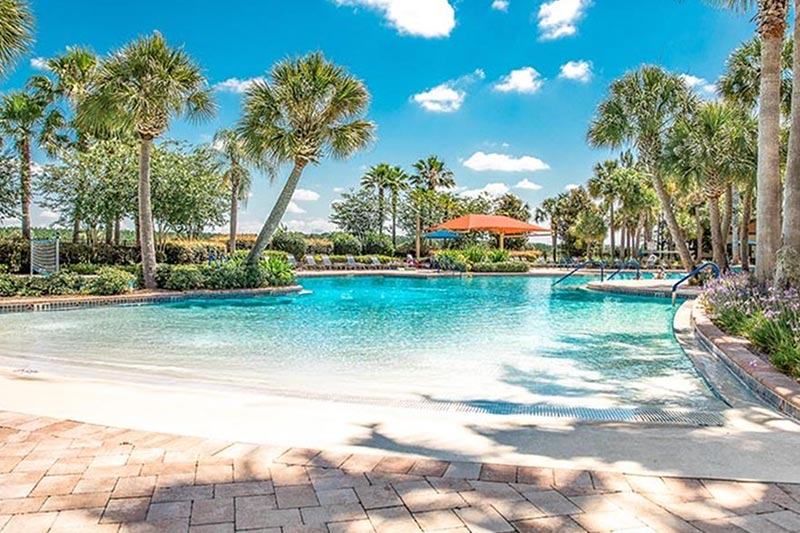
[308, 109]
[638, 112]
[396, 182]
[710, 148]
[74, 72]
[16, 31]
[377, 178]
[741, 81]
[787, 270]
[771, 19]
[27, 118]
[430, 174]
[550, 211]
[605, 185]
[236, 174]
[140, 88]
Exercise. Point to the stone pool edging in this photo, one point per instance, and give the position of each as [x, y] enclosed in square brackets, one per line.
[776, 389]
[51, 303]
[660, 288]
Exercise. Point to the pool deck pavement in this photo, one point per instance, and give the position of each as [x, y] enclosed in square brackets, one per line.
[64, 476]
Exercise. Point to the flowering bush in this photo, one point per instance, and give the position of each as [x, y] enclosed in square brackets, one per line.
[769, 317]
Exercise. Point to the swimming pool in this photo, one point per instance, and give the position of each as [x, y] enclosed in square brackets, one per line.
[498, 339]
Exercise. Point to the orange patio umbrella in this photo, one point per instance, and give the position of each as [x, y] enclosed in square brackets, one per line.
[501, 225]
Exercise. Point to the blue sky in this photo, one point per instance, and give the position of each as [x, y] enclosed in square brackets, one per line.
[503, 91]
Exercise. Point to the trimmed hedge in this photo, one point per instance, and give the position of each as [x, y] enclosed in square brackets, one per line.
[108, 281]
[507, 266]
[274, 271]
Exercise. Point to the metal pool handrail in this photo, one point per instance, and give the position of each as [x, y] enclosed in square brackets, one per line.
[579, 267]
[632, 262]
[693, 273]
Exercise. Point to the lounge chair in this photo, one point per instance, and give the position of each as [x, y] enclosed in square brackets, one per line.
[326, 262]
[374, 262]
[310, 262]
[292, 261]
[352, 263]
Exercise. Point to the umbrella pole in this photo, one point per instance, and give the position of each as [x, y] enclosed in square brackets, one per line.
[502, 240]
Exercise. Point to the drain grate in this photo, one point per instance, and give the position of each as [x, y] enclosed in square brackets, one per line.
[649, 415]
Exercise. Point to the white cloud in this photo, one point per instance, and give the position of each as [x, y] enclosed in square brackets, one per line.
[480, 162]
[39, 63]
[491, 189]
[339, 189]
[576, 70]
[448, 96]
[571, 187]
[422, 18]
[524, 80]
[558, 18]
[49, 215]
[500, 5]
[305, 195]
[295, 209]
[317, 225]
[441, 99]
[236, 85]
[527, 185]
[702, 86]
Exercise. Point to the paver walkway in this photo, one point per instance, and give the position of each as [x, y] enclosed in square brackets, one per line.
[64, 476]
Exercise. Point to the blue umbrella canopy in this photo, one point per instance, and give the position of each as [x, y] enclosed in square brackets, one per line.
[442, 234]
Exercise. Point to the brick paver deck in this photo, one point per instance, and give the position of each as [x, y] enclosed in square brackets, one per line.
[64, 476]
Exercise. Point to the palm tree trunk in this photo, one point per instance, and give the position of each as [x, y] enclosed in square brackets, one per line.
[25, 173]
[76, 223]
[622, 233]
[768, 197]
[727, 216]
[381, 214]
[117, 230]
[717, 240]
[234, 217]
[744, 229]
[394, 219]
[109, 227]
[419, 236]
[788, 267]
[146, 237]
[275, 216]
[698, 234]
[611, 227]
[554, 239]
[674, 230]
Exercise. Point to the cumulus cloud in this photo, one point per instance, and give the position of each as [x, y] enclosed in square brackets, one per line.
[558, 18]
[339, 189]
[421, 18]
[481, 162]
[571, 187]
[494, 190]
[527, 185]
[700, 85]
[500, 5]
[576, 70]
[316, 225]
[305, 195]
[524, 80]
[448, 96]
[39, 63]
[295, 209]
[49, 215]
[236, 85]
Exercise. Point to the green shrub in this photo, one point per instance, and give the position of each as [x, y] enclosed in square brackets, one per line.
[507, 266]
[319, 245]
[189, 252]
[224, 275]
[289, 242]
[377, 244]
[346, 244]
[277, 272]
[8, 285]
[185, 278]
[450, 260]
[15, 254]
[109, 281]
[475, 253]
[497, 256]
[64, 283]
[84, 269]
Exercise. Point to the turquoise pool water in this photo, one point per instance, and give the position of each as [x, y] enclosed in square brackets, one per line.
[456, 339]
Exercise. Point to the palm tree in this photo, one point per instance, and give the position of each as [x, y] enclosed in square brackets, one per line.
[771, 18]
[16, 31]
[236, 175]
[741, 81]
[377, 178]
[709, 148]
[550, 211]
[396, 182]
[638, 112]
[308, 109]
[430, 174]
[74, 72]
[787, 270]
[605, 185]
[140, 88]
[26, 118]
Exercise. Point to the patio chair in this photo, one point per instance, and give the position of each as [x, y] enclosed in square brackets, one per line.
[326, 262]
[292, 261]
[310, 262]
[352, 263]
[375, 262]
